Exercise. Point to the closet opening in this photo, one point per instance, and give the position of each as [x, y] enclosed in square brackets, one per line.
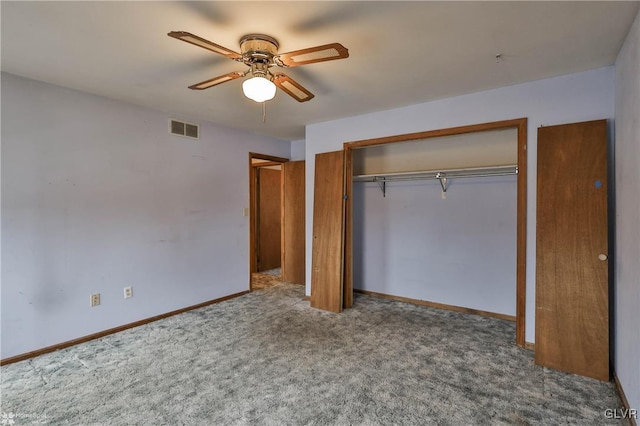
[439, 217]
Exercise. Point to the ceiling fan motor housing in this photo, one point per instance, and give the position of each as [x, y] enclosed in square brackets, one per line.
[258, 48]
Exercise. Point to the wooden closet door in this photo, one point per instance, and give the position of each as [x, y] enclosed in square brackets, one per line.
[269, 217]
[572, 292]
[328, 214]
[293, 222]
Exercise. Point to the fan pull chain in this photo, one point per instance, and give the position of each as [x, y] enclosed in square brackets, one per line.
[264, 112]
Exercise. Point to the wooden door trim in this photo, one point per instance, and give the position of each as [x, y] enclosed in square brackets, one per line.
[253, 261]
[521, 228]
[521, 231]
[272, 158]
[473, 128]
[347, 280]
[266, 164]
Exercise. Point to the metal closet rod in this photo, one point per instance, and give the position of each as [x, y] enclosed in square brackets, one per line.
[439, 174]
[442, 175]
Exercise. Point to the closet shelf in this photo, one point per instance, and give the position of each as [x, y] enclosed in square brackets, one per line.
[442, 175]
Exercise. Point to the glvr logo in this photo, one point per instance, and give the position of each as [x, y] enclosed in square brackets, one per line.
[621, 413]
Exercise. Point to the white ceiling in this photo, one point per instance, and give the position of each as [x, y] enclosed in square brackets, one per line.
[401, 53]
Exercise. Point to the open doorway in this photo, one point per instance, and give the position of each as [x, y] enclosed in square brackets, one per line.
[277, 221]
[265, 212]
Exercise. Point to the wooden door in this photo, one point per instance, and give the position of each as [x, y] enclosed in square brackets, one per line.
[328, 214]
[572, 292]
[293, 222]
[269, 219]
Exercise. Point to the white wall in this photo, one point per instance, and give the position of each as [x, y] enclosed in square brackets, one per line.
[297, 150]
[571, 98]
[96, 196]
[627, 159]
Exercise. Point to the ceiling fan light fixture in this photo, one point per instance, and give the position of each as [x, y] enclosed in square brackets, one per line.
[260, 53]
[259, 88]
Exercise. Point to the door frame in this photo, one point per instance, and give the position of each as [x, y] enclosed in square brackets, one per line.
[520, 124]
[268, 160]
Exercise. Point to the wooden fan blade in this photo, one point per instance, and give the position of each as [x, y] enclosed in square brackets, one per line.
[217, 80]
[328, 52]
[206, 44]
[292, 88]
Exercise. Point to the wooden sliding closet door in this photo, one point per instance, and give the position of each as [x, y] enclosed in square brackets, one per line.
[293, 222]
[572, 293]
[328, 214]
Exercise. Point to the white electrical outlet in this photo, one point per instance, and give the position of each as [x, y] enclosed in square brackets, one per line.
[94, 300]
[128, 292]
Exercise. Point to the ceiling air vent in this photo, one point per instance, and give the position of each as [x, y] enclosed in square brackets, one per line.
[180, 128]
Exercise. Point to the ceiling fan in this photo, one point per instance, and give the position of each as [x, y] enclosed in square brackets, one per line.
[260, 53]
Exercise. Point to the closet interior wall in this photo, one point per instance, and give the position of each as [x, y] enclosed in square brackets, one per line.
[456, 248]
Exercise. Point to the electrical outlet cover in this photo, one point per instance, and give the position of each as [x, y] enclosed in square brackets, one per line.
[94, 300]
